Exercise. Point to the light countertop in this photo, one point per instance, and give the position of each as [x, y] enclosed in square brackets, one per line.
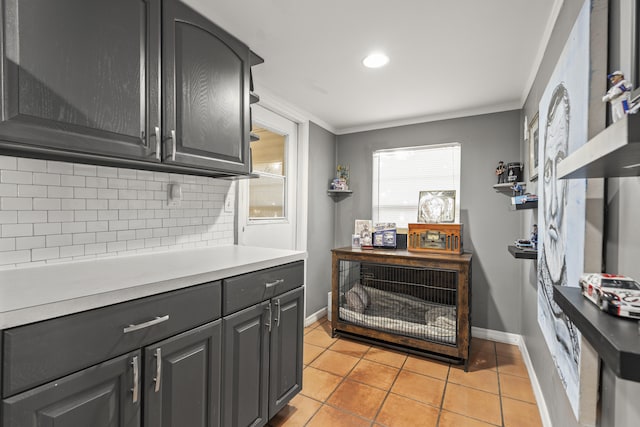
[37, 293]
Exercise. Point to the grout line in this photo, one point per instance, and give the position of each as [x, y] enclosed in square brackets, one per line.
[499, 385]
[444, 392]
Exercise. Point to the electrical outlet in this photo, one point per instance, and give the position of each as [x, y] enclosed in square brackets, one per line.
[228, 204]
[174, 195]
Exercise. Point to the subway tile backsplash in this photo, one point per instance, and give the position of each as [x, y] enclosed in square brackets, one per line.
[60, 212]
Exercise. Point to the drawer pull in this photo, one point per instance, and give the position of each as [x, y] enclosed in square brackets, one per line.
[136, 375]
[274, 283]
[139, 326]
[158, 369]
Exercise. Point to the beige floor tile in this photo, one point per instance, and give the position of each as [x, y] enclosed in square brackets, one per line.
[428, 367]
[516, 388]
[328, 416]
[318, 384]
[473, 403]
[508, 350]
[386, 356]
[485, 380]
[449, 419]
[512, 365]
[299, 410]
[350, 347]
[480, 360]
[478, 344]
[358, 398]
[399, 411]
[419, 387]
[334, 362]
[310, 352]
[319, 337]
[374, 374]
[520, 414]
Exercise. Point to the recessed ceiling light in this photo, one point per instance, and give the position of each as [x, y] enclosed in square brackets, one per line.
[375, 60]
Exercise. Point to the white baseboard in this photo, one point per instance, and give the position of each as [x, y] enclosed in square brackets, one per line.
[315, 316]
[515, 339]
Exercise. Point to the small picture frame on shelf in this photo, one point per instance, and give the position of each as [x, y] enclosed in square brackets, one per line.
[533, 148]
[355, 241]
[437, 206]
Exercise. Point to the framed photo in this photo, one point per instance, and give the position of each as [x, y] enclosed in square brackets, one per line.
[437, 206]
[533, 148]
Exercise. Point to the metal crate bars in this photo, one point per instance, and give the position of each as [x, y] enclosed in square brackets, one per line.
[410, 301]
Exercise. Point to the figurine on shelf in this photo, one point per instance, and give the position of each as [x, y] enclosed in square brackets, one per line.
[618, 95]
[517, 189]
[534, 236]
[342, 174]
[500, 172]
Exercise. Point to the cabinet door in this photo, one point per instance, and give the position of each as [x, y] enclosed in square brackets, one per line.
[105, 395]
[206, 93]
[182, 379]
[81, 76]
[285, 370]
[246, 367]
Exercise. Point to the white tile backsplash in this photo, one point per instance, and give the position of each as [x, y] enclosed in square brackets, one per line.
[54, 211]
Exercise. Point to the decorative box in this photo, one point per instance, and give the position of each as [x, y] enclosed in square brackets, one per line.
[384, 235]
[437, 237]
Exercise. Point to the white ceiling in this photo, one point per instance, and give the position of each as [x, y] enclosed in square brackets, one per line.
[447, 58]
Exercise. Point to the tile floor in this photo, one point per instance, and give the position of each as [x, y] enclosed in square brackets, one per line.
[349, 383]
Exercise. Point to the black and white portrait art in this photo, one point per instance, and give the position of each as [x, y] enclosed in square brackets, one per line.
[563, 120]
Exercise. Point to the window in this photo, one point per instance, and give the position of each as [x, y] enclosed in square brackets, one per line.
[267, 192]
[399, 175]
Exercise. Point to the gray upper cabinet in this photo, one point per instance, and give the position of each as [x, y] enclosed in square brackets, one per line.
[149, 84]
[81, 77]
[206, 93]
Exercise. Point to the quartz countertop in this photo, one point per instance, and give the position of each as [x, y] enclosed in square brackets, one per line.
[37, 293]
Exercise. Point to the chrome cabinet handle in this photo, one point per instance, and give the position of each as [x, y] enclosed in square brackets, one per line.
[272, 284]
[158, 369]
[278, 313]
[158, 141]
[268, 324]
[139, 326]
[136, 375]
[173, 145]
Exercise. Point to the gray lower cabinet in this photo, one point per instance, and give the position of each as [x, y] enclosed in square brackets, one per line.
[262, 359]
[105, 395]
[182, 379]
[152, 362]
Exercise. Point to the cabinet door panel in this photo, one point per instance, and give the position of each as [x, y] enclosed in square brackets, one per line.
[76, 76]
[206, 92]
[100, 396]
[246, 367]
[285, 371]
[189, 390]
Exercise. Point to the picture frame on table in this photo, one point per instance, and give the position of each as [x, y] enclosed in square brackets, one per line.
[534, 138]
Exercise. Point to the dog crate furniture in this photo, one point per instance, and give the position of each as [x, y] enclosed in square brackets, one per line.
[413, 300]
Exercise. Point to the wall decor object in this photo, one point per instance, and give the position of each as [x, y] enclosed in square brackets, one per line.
[533, 148]
[563, 124]
[437, 206]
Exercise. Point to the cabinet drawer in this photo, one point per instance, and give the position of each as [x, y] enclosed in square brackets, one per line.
[242, 291]
[40, 352]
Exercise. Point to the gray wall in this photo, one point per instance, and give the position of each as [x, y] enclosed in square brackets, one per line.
[559, 409]
[489, 225]
[321, 223]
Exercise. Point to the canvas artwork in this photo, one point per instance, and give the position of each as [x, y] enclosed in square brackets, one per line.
[563, 121]
[437, 206]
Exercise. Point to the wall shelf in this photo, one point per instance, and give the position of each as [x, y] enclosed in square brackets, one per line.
[339, 193]
[506, 188]
[522, 253]
[526, 205]
[608, 154]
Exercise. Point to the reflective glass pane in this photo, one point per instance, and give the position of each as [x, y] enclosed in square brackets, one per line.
[266, 197]
[268, 154]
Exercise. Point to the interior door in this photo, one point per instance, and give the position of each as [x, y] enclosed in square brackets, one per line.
[267, 204]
